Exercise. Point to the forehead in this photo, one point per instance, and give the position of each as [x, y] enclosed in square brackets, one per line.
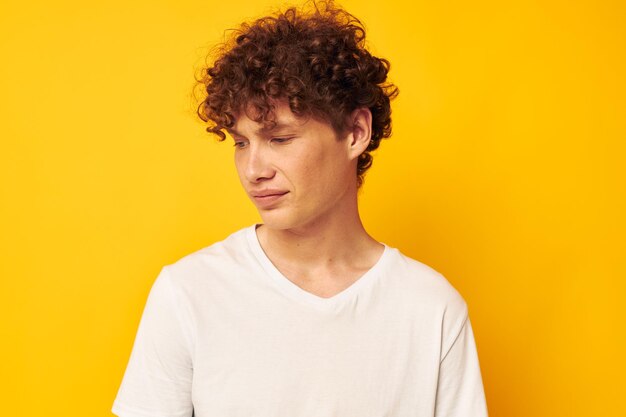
[281, 117]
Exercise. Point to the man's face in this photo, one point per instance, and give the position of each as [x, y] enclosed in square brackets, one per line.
[295, 173]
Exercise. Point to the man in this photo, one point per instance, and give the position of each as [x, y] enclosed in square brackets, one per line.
[305, 315]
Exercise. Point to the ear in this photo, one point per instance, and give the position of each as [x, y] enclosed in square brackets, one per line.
[359, 131]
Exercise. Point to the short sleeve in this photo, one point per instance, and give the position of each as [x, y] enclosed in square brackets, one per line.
[158, 377]
[460, 390]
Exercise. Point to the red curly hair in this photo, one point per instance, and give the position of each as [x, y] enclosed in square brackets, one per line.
[315, 60]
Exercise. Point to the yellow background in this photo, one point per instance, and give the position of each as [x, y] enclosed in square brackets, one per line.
[505, 173]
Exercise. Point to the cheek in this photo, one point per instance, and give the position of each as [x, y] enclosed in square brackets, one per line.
[323, 171]
[317, 168]
[240, 160]
[240, 168]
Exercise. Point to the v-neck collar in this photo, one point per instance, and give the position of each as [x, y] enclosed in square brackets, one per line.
[299, 294]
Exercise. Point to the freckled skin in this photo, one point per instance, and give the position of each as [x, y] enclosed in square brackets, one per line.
[311, 230]
[305, 158]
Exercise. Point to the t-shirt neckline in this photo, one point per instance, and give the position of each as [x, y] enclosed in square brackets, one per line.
[301, 295]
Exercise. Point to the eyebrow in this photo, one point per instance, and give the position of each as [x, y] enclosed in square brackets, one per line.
[265, 129]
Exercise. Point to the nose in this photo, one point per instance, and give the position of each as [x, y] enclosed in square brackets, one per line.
[258, 165]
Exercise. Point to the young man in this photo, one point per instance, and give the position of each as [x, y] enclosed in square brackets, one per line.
[305, 315]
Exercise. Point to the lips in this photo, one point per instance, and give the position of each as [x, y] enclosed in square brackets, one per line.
[268, 194]
[267, 198]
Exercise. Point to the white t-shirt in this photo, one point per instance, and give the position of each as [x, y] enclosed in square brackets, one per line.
[225, 334]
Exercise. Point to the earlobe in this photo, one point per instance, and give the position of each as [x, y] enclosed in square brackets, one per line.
[361, 131]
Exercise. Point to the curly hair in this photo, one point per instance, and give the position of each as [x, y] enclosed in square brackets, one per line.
[315, 60]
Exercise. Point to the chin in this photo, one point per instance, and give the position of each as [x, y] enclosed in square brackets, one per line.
[276, 223]
[279, 220]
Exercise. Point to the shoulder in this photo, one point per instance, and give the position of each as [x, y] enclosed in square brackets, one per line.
[428, 295]
[427, 289]
[423, 280]
[220, 259]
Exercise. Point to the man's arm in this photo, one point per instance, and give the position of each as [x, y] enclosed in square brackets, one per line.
[158, 377]
[460, 389]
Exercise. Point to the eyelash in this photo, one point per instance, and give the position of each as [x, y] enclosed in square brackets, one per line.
[281, 140]
[241, 144]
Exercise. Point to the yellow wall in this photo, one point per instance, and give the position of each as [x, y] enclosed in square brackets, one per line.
[505, 172]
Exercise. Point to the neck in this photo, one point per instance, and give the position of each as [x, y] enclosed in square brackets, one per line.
[334, 240]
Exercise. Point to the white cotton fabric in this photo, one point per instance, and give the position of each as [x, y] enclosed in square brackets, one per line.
[225, 334]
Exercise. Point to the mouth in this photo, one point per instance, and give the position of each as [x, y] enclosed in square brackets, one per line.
[267, 199]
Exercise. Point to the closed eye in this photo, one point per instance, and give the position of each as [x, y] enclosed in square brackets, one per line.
[281, 140]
